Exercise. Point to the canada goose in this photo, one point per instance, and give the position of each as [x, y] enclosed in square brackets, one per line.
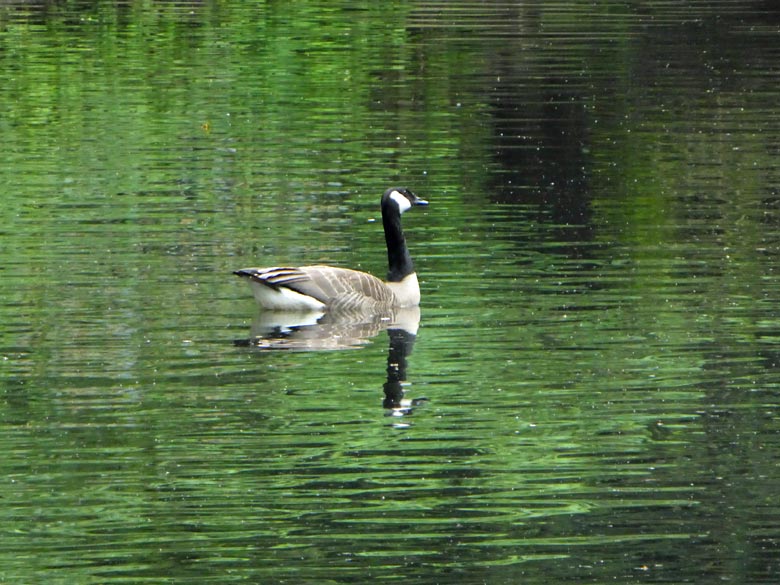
[320, 288]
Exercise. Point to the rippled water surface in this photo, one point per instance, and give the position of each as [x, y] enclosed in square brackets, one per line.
[593, 390]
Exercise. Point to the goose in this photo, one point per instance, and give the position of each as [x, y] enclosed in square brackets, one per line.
[329, 288]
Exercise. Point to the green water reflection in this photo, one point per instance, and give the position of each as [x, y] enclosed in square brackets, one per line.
[592, 395]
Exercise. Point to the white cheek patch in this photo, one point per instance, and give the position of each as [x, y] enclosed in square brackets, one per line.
[402, 201]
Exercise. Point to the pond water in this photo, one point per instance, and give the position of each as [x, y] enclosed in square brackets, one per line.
[593, 393]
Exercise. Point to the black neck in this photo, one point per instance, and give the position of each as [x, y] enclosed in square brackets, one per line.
[398, 259]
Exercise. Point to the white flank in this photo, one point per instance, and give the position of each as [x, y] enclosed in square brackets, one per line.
[283, 299]
[407, 291]
[402, 201]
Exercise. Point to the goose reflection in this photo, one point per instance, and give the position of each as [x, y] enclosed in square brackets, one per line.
[330, 331]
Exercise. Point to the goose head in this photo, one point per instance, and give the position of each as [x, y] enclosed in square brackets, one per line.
[400, 199]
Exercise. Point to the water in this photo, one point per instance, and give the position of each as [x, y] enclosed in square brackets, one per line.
[592, 393]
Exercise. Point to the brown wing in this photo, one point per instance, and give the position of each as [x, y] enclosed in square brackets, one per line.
[343, 288]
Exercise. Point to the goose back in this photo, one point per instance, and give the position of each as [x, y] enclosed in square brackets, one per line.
[317, 287]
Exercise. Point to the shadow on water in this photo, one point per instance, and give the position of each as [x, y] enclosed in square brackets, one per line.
[333, 331]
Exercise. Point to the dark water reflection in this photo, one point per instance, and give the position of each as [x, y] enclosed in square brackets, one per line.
[319, 331]
[592, 394]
